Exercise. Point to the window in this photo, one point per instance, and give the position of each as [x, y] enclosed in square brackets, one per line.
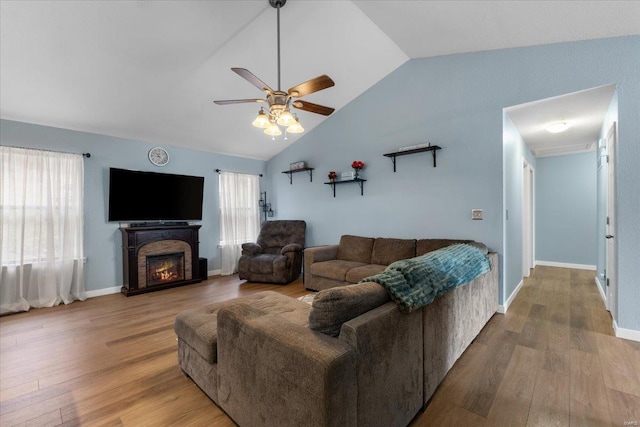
[239, 216]
[41, 227]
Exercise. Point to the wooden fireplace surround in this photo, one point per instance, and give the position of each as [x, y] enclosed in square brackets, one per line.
[138, 242]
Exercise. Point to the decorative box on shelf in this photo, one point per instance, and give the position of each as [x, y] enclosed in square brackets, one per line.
[347, 176]
[297, 166]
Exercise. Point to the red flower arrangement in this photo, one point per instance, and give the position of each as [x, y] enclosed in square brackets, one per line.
[332, 175]
[357, 165]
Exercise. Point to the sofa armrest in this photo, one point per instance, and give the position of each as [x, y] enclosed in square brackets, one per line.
[317, 254]
[388, 345]
[291, 247]
[274, 372]
[251, 249]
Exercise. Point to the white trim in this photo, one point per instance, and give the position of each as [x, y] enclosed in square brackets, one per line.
[566, 265]
[527, 226]
[627, 334]
[503, 308]
[599, 286]
[103, 291]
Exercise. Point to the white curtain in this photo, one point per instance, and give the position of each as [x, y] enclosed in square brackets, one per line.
[239, 216]
[41, 229]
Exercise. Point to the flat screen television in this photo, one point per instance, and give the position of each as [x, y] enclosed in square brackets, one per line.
[152, 196]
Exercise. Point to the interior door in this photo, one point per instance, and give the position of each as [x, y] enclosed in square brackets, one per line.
[612, 268]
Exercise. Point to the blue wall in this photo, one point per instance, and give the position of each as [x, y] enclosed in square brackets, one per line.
[566, 202]
[457, 102]
[103, 242]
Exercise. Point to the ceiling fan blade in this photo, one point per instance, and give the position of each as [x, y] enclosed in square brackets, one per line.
[311, 86]
[313, 108]
[238, 101]
[251, 78]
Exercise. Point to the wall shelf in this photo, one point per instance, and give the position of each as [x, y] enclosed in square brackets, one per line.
[432, 148]
[360, 182]
[291, 172]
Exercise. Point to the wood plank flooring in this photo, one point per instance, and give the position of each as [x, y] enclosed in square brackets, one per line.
[112, 361]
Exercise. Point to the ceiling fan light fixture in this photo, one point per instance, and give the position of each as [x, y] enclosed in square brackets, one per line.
[557, 127]
[261, 121]
[272, 129]
[285, 118]
[278, 112]
[295, 127]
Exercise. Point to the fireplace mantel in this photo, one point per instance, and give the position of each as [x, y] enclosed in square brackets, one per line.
[140, 242]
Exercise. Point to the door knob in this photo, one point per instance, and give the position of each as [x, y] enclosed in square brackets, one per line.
[608, 236]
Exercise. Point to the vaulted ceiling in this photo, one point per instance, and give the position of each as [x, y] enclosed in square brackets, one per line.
[149, 70]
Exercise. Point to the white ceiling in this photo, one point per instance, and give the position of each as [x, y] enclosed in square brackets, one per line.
[149, 70]
[584, 111]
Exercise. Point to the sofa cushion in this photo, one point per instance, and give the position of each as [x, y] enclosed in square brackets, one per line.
[332, 307]
[272, 302]
[385, 250]
[335, 269]
[424, 246]
[358, 273]
[198, 327]
[355, 248]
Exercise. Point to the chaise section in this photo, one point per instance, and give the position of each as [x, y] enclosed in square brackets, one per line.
[197, 333]
[274, 372]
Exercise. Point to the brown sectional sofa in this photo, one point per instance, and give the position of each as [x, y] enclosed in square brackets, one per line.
[350, 359]
[357, 257]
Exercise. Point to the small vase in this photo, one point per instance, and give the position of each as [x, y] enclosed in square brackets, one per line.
[356, 175]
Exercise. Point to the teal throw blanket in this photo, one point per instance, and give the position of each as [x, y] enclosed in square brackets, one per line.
[415, 282]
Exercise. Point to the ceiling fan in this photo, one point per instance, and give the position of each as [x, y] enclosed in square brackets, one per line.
[280, 101]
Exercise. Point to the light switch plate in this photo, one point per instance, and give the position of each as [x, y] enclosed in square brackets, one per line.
[476, 214]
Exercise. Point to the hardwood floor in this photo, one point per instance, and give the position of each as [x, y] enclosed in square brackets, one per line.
[111, 361]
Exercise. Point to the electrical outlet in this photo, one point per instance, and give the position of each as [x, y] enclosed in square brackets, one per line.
[476, 213]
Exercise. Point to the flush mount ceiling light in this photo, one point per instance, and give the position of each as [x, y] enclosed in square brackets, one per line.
[280, 102]
[557, 127]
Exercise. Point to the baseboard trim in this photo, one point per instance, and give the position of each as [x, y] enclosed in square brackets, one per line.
[503, 308]
[627, 334]
[599, 286]
[566, 265]
[102, 292]
[214, 272]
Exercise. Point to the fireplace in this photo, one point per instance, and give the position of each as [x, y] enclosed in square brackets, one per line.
[165, 268]
[159, 257]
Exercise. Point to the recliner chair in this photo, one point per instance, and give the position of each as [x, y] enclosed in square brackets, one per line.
[277, 255]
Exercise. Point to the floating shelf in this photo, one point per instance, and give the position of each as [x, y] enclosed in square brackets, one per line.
[291, 172]
[432, 148]
[358, 180]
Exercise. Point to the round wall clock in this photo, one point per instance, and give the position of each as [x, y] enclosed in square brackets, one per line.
[158, 156]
